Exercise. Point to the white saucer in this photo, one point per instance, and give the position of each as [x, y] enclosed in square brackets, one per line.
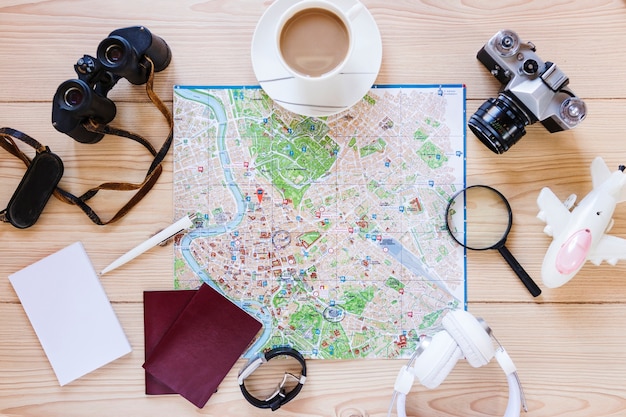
[322, 98]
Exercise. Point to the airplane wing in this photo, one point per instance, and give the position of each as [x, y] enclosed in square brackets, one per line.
[552, 212]
[609, 248]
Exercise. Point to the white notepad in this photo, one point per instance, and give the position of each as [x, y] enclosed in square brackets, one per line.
[70, 312]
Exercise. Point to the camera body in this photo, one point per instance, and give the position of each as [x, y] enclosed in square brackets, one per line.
[533, 90]
[123, 54]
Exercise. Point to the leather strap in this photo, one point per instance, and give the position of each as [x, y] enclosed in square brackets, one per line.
[279, 397]
[7, 135]
[154, 171]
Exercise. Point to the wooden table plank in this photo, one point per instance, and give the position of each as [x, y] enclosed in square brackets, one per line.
[570, 359]
[567, 344]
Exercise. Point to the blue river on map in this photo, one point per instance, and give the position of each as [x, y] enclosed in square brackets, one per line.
[251, 306]
[394, 247]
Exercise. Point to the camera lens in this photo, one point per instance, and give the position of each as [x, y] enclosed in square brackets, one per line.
[499, 123]
[73, 97]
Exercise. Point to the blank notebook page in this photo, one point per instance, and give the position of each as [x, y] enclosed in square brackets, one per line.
[70, 312]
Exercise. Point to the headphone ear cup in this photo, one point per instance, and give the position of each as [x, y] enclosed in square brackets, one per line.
[471, 337]
[434, 364]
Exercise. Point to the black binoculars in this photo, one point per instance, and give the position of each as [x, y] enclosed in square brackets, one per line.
[126, 53]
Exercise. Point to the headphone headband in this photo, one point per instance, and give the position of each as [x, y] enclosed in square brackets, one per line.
[408, 372]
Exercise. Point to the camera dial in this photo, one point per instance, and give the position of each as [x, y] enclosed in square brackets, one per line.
[573, 111]
[507, 43]
[530, 67]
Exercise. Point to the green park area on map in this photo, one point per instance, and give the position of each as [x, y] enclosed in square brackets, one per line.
[329, 230]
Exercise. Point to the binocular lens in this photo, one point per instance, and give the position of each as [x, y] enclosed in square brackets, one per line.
[498, 124]
[73, 97]
[114, 53]
[123, 53]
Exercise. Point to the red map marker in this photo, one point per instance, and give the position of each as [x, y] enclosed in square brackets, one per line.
[259, 194]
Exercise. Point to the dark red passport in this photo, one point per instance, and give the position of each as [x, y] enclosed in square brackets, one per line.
[160, 311]
[202, 345]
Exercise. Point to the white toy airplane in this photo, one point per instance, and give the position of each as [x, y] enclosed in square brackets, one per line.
[579, 235]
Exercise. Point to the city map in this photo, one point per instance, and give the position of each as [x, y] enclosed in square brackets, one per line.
[329, 230]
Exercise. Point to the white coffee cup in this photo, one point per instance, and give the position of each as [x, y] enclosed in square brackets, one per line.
[314, 39]
[321, 75]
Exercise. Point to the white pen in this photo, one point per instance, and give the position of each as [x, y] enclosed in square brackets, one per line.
[166, 233]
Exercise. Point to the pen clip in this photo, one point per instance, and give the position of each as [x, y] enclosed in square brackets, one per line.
[165, 241]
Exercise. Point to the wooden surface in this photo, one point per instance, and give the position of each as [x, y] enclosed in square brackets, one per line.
[568, 344]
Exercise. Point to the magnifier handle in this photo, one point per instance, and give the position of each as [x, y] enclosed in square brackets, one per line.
[521, 273]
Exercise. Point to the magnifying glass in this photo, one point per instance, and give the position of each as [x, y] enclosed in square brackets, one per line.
[479, 218]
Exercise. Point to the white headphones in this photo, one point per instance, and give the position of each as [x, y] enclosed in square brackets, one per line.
[463, 335]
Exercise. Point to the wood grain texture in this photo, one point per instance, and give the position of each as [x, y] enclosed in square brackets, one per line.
[568, 344]
[572, 367]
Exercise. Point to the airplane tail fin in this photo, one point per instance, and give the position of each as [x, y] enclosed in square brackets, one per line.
[599, 172]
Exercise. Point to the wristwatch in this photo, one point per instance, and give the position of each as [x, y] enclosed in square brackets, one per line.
[279, 396]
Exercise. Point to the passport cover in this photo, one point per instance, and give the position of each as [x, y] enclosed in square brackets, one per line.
[202, 345]
[160, 311]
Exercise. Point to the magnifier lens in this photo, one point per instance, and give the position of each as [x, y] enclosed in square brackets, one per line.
[479, 218]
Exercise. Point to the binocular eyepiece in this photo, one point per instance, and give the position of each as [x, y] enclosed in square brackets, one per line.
[126, 53]
[123, 52]
[74, 103]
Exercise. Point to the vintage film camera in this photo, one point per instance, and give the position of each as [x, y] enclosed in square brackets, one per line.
[533, 91]
[125, 53]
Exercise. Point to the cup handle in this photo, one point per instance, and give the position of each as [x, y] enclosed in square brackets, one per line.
[355, 10]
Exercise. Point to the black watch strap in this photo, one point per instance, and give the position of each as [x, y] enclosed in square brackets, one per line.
[279, 397]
